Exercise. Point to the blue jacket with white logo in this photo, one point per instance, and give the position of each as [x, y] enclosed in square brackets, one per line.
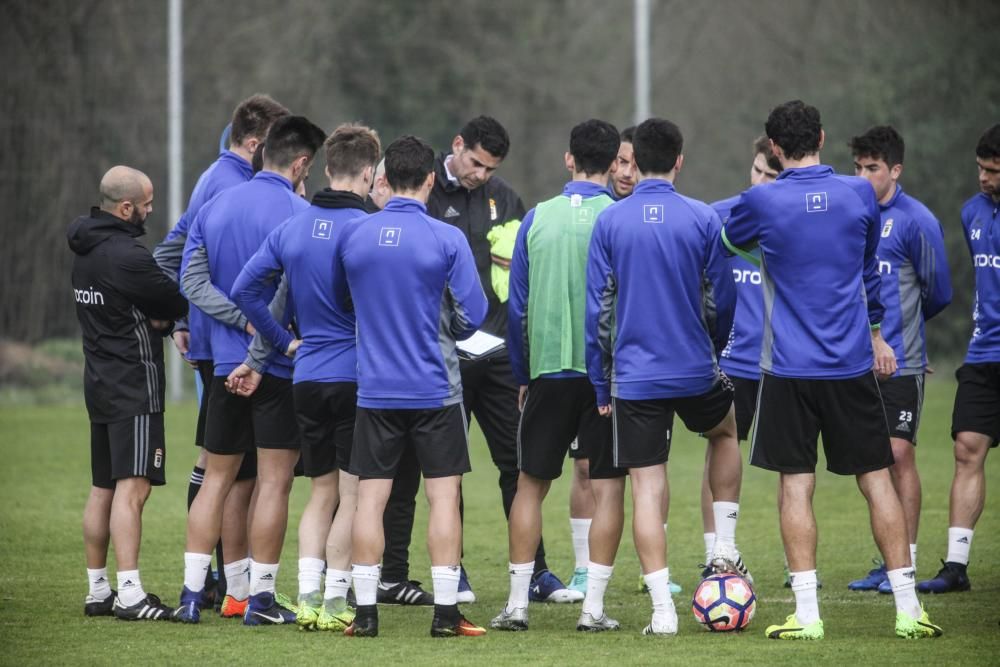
[916, 284]
[228, 170]
[227, 232]
[654, 258]
[412, 283]
[818, 235]
[303, 249]
[981, 222]
[741, 356]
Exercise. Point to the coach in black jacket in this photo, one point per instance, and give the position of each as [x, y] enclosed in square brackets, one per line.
[125, 305]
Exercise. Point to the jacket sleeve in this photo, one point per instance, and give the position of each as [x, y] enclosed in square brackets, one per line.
[602, 290]
[870, 274]
[143, 283]
[742, 231]
[927, 253]
[260, 273]
[196, 281]
[720, 288]
[468, 301]
[517, 305]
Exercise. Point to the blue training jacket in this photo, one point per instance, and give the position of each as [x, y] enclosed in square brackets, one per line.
[916, 284]
[413, 286]
[741, 356]
[654, 258]
[981, 222]
[224, 236]
[818, 235]
[303, 249]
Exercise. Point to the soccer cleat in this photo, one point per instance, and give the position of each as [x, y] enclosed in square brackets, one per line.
[263, 609]
[726, 558]
[513, 620]
[871, 582]
[308, 611]
[210, 593]
[285, 602]
[334, 619]
[579, 580]
[365, 623]
[546, 587]
[587, 623]
[951, 578]
[674, 588]
[148, 609]
[94, 607]
[792, 629]
[462, 627]
[233, 608]
[885, 587]
[669, 628]
[406, 593]
[465, 594]
[908, 627]
[189, 608]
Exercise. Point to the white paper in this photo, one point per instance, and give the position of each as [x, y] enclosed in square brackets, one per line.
[480, 343]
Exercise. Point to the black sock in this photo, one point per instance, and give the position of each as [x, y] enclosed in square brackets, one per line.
[540, 567]
[194, 483]
[366, 611]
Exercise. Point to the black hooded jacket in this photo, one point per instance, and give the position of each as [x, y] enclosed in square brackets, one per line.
[118, 289]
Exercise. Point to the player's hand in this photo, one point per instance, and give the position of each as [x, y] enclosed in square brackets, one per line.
[243, 381]
[522, 394]
[249, 329]
[604, 410]
[293, 347]
[182, 341]
[885, 358]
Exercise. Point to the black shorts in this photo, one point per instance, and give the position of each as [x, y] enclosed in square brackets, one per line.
[642, 429]
[745, 404]
[205, 371]
[792, 412]
[576, 450]
[133, 447]
[977, 401]
[237, 425]
[557, 411]
[325, 412]
[903, 397]
[438, 436]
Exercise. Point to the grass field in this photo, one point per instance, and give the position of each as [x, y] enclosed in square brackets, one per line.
[44, 480]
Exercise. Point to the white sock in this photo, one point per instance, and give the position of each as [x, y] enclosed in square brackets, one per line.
[598, 577]
[310, 575]
[726, 515]
[195, 568]
[262, 576]
[238, 579]
[806, 604]
[130, 587]
[365, 583]
[520, 582]
[100, 587]
[338, 582]
[445, 579]
[658, 584]
[580, 530]
[959, 543]
[913, 556]
[903, 582]
[709, 545]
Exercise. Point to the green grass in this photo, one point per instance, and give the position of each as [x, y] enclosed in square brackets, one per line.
[44, 480]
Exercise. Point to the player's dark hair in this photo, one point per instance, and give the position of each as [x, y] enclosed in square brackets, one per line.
[795, 127]
[881, 142]
[351, 149]
[290, 138]
[762, 146]
[656, 145]
[408, 160]
[594, 146]
[628, 134]
[988, 147]
[254, 117]
[489, 134]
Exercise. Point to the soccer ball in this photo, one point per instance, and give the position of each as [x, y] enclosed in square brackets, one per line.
[724, 602]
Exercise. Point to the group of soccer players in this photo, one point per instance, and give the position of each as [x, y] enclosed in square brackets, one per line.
[327, 337]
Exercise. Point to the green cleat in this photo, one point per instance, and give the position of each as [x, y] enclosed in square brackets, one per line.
[308, 610]
[335, 616]
[792, 629]
[579, 580]
[916, 628]
[284, 601]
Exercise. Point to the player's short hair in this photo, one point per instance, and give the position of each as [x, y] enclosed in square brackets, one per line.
[489, 134]
[656, 145]
[289, 138]
[408, 160]
[881, 142]
[351, 149]
[254, 117]
[796, 127]
[988, 147]
[628, 134]
[594, 146]
[762, 146]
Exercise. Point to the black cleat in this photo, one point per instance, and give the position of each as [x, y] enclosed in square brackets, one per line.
[94, 607]
[951, 578]
[365, 623]
[148, 609]
[406, 593]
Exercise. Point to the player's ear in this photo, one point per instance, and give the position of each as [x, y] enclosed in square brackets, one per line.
[679, 163]
[569, 162]
[429, 181]
[896, 171]
[457, 144]
[822, 139]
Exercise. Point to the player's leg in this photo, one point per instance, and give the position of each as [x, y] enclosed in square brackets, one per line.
[707, 515]
[96, 524]
[396, 587]
[236, 540]
[581, 514]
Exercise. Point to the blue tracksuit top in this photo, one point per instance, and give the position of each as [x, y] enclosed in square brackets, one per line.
[303, 250]
[916, 284]
[818, 235]
[981, 222]
[741, 356]
[228, 230]
[413, 285]
[654, 261]
[228, 170]
[517, 303]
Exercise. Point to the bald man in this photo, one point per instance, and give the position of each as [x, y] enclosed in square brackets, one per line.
[125, 305]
